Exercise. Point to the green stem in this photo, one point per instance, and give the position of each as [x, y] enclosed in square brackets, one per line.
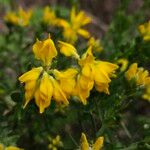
[99, 113]
[126, 130]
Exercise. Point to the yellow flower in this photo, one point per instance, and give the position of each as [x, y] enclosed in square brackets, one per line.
[30, 79]
[24, 17]
[13, 148]
[11, 17]
[144, 29]
[74, 27]
[96, 146]
[131, 72]
[68, 49]
[20, 18]
[45, 51]
[123, 63]
[43, 93]
[41, 86]
[58, 94]
[146, 95]
[49, 16]
[83, 87]
[96, 44]
[140, 75]
[97, 71]
[66, 80]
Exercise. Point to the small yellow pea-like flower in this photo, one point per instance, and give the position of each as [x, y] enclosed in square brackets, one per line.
[96, 146]
[144, 29]
[66, 80]
[49, 16]
[97, 72]
[38, 85]
[45, 51]
[24, 16]
[58, 94]
[123, 64]
[74, 27]
[41, 86]
[140, 75]
[96, 44]
[68, 49]
[21, 18]
[146, 94]
[83, 87]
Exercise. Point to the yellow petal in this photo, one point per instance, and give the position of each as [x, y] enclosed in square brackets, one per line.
[12, 148]
[58, 94]
[49, 16]
[102, 87]
[83, 33]
[63, 23]
[45, 51]
[24, 16]
[84, 142]
[68, 49]
[82, 88]
[98, 144]
[131, 72]
[66, 80]
[70, 35]
[44, 93]
[31, 75]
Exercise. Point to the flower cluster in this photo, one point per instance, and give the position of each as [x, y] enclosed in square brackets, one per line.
[20, 18]
[141, 77]
[55, 143]
[72, 28]
[96, 146]
[44, 83]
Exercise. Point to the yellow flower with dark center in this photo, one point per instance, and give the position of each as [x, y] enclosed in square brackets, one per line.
[49, 16]
[74, 27]
[96, 44]
[20, 18]
[96, 146]
[45, 51]
[140, 75]
[144, 29]
[123, 63]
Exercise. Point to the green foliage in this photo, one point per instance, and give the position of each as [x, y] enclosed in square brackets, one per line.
[121, 117]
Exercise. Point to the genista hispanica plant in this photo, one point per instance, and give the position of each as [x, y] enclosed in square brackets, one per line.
[71, 81]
